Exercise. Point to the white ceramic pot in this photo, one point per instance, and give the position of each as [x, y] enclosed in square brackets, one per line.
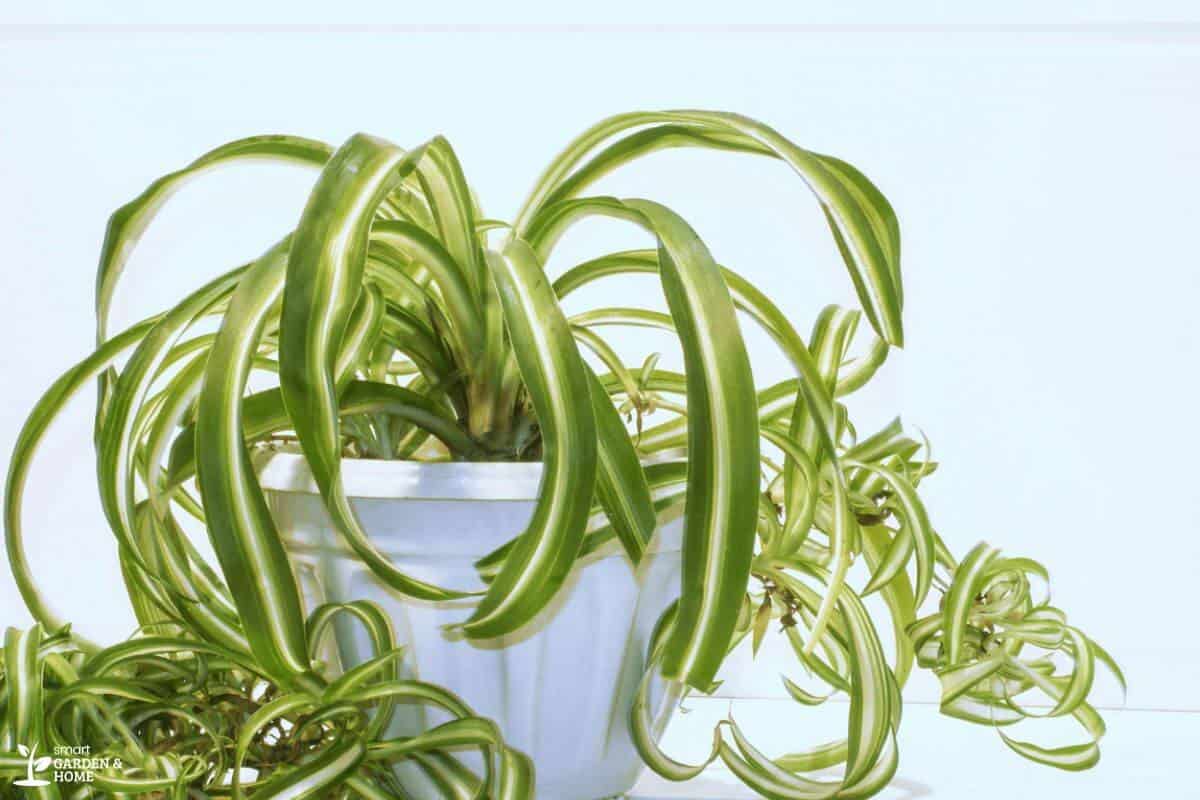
[561, 688]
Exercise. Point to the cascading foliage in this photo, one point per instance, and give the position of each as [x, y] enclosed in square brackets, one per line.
[398, 322]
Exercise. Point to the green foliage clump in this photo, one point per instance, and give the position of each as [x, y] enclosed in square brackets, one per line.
[397, 321]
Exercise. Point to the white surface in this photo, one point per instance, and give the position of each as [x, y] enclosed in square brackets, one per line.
[1044, 181]
[562, 687]
[1145, 755]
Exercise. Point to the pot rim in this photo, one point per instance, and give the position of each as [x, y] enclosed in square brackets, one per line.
[285, 472]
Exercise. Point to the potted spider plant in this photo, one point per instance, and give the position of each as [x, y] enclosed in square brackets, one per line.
[448, 563]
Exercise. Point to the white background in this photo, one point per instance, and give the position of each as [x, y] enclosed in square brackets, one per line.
[1044, 167]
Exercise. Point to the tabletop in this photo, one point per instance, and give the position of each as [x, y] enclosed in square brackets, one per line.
[1144, 754]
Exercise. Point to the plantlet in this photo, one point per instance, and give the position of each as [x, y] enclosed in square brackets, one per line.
[398, 322]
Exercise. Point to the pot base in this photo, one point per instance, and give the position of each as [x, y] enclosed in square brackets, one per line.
[561, 688]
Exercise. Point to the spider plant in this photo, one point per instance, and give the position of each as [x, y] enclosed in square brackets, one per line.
[397, 321]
